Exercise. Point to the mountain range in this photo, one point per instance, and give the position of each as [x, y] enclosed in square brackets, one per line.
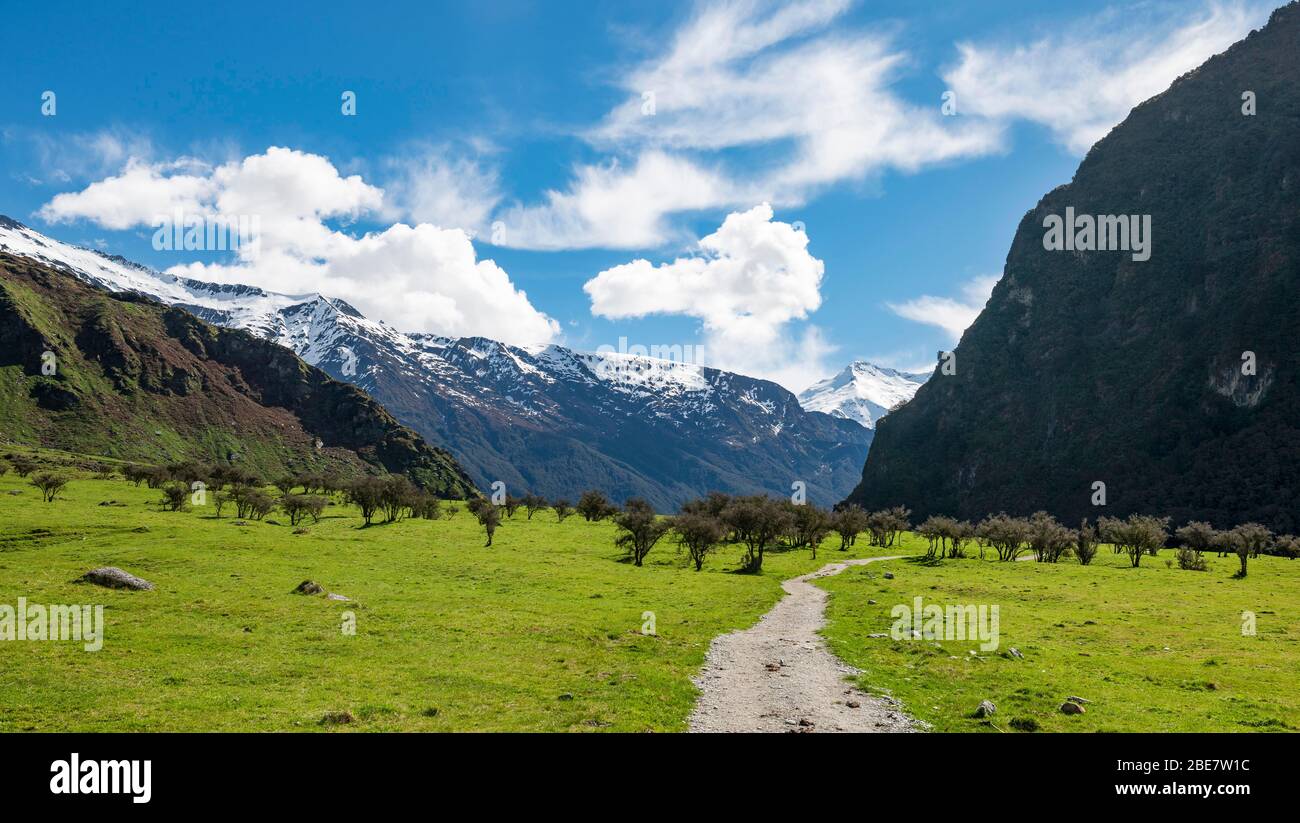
[545, 419]
[1098, 383]
[118, 374]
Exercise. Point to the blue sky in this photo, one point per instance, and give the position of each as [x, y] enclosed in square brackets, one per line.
[525, 123]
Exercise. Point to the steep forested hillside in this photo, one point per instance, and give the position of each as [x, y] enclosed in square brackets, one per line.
[1090, 366]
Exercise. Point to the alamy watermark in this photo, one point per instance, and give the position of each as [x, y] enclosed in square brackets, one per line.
[687, 354]
[56, 622]
[951, 622]
[1103, 232]
[179, 231]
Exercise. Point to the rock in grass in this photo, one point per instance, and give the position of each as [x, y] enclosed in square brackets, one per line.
[114, 578]
[1079, 700]
[337, 719]
[986, 709]
[1071, 708]
[341, 598]
[1014, 652]
[309, 587]
[889, 575]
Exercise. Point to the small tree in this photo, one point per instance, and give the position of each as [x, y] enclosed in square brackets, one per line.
[1137, 536]
[396, 496]
[563, 508]
[886, 525]
[219, 501]
[1007, 535]
[1196, 537]
[294, 505]
[533, 503]
[848, 523]
[1190, 559]
[1248, 540]
[640, 529]
[155, 477]
[489, 517]
[756, 521]
[1287, 546]
[960, 534]
[23, 466]
[257, 504]
[698, 534]
[176, 497]
[934, 529]
[593, 505]
[809, 526]
[367, 494]
[1048, 539]
[50, 484]
[512, 505]
[426, 506]
[1085, 543]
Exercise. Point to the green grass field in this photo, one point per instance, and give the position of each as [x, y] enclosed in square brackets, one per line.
[542, 631]
[1154, 648]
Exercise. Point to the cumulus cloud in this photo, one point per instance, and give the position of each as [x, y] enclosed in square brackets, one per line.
[418, 278]
[1082, 83]
[750, 280]
[952, 315]
[135, 196]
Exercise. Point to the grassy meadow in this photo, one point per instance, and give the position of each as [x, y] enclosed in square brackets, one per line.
[543, 630]
[1154, 648]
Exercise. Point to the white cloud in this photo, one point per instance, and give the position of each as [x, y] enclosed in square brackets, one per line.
[813, 103]
[614, 206]
[60, 157]
[952, 315]
[420, 278]
[1082, 83]
[134, 196]
[751, 279]
[750, 74]
[439, 185]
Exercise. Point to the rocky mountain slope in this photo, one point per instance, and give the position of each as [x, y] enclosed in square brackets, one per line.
[863, 392]
[118, 374]
[1092, 367]
[549, 420]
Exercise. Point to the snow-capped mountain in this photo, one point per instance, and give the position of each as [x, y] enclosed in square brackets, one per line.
[863, 392]
[546, 419]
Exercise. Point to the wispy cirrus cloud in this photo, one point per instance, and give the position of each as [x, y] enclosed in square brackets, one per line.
[1082, 82]
[805, 103]
[953, 315]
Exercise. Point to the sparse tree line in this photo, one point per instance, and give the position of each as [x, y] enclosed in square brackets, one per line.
[757, 522]
[593, 506]
[1136, 536]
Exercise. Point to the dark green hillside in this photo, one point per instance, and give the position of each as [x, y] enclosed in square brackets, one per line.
[1091, 366]
[137, 380]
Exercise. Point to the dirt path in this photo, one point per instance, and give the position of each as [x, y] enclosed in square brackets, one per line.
[779, 676]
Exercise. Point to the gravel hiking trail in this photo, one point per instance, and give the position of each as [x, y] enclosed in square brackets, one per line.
[779, 675]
